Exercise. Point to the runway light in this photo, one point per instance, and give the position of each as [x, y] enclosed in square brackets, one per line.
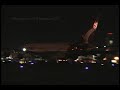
[86, 68]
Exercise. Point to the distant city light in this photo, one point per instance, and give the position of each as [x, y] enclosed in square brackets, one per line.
[102, 64]
[21, 62]
[107, 49]
[104, 46]
[113, 65]
[94, 57]
[116, 58]
[9, 60]
[31, 63]
[59, 60]
[96, 47]
[86, 67]
[109, 33]
[24, 49]
[93, 62]
[113, 61]
[81, 62]
[3, 61]
[111, 41]
[21, 66]
[105, 58]
[76, 60]
[98, 54]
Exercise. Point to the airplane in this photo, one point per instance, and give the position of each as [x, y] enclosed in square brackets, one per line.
[62, 49]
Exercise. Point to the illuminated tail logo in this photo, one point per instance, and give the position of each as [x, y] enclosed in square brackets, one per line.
[95, 25]
[87, 35]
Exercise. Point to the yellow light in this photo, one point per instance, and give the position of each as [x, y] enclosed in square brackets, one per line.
[21, 62]
[116, 58]
[113, 61]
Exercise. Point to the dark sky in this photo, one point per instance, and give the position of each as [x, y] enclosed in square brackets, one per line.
[31, 24]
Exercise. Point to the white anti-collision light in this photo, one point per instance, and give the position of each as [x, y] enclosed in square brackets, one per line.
[24, 49]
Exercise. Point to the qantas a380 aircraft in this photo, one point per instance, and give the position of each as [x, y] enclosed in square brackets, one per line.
[62, 46]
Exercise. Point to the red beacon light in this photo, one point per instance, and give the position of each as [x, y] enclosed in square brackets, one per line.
[109, 33]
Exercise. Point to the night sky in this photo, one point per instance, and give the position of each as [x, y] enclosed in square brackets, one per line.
[37, 24]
